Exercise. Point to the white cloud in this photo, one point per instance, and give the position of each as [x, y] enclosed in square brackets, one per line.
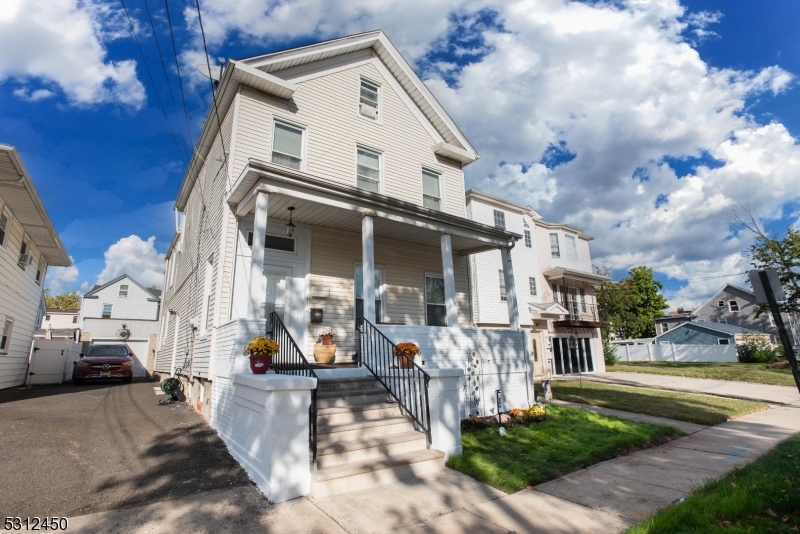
[58, 277]
[135, 257]
[63, 43]
[33, 96]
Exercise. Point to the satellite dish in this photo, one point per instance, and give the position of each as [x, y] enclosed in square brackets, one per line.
[215, 73]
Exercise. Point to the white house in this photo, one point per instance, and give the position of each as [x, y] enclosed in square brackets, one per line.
[553, 281]
[28, 245]
[327, 189]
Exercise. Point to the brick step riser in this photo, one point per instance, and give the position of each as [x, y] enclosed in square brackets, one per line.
[337, 486]
[379, 451]
[366, 432]
[351, 400]
[358, 416]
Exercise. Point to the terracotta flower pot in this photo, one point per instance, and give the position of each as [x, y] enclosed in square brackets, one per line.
[325, 353]
[259, 363]
[407, 362]
[326, 340]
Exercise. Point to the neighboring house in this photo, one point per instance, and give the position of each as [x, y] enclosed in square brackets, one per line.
[328, 186]
[705, 333]
[554, 283]
[28, 245]
[59, 323]
[672, 320]
[123, 311]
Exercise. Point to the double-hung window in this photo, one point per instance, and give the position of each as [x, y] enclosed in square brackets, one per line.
[368, 170]
[499, 219]
[5, 338]
[107, 311]
[733, 306]
[572, 249]
[39, 271]
[532, 285]
[431, 190]
[435, 307]
[555, 251]
[287, 145]
[360, 293]
[502, 285]
[528, 241]
[123, 291]
[5, 224]
[368, 101]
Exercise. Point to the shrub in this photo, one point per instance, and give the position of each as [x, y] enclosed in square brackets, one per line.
[609, 350]
[756, 349]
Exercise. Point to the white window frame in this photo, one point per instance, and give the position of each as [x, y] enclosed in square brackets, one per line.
[378, 153]
[502, 217]
[40, 270]
[503, 294]
[248, 239]
[9, 219]
[126, 290]
[721, 303]
[110, 312]
[379, 293]
[303, 141]
[441, 187]
[379, 116]
[5, 334]
[528, 239]
[533, 286]
[731, 304]
[425, 296]
[664, 328]
[555, 253]
[571, 247]
[721, 341]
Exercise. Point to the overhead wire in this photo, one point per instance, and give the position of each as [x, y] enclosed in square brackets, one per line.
[178, 70]
[152, 81]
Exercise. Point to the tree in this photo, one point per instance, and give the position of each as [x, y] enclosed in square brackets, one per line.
[152, 287]
[632, 304]
[65, 301]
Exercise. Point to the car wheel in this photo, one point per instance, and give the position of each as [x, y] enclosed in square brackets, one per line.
[127, 380]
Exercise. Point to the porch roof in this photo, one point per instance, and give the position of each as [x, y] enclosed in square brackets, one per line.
[560, 273]
[325, 203]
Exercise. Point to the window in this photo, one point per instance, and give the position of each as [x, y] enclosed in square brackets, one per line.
[502, 285]
[123, 291]
[664, 327]
[107, 311]
[23, 249]
[39, 270]
[724, 341]
[287, 146]
[5, 339]
[572, 249]
[359, 283]
[74, 319]
[4, 227]
[368, 170]
[528, 242]
[532, 285]
[435, 308]
[274, 242]
[556, 296]
[733, 306]
[721, 303]
[47, 317]
[206, 295]
[499, 219]
[582, 294]
[431, 190]
[368, 100]
[555, 252]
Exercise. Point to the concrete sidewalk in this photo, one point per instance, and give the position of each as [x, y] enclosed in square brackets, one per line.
[723, 388]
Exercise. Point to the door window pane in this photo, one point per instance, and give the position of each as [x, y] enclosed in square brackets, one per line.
[431, 195]
[435, 308]
[368, 170]
[287, 146]
[276, 294]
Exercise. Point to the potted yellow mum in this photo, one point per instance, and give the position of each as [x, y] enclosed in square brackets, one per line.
[261, 350]
[405, 353]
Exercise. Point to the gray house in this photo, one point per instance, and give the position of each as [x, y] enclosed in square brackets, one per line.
[705, 333]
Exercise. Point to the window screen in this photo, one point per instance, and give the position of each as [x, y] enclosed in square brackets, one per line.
[436, 310]
[572, 249]
[368, 170]
[431, 194]
[287, 146]
[555, 251]
[369, 94]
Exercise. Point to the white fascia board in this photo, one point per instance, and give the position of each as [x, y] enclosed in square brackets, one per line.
[263, 81]
[453, 152]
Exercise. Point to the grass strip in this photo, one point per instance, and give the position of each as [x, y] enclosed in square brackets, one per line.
[757, 373]
[568, 440]
[701, 409]
[758, 498]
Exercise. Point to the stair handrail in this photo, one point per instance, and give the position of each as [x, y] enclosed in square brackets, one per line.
[290, 360]
[408, 386]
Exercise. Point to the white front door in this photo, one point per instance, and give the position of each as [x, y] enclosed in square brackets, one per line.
[284, 287]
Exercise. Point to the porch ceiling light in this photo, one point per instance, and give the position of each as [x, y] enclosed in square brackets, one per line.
[290, 227]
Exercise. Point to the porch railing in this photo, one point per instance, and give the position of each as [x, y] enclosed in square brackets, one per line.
[290, 360]
[408, 385]
[582, 312]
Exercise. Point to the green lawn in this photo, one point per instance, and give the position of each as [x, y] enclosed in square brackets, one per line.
[701, 409]
[568, 440]
[737, 372]
[761, 497]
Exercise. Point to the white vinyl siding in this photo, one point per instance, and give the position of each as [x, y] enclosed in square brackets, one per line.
[571, 246]
[209, 272]
[136, 305]
[368, 170]
[555, 251]
[287, 146]
[431, 190]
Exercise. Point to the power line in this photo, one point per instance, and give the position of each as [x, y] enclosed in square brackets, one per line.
[178, 69]
[155, 89]
[164, 67]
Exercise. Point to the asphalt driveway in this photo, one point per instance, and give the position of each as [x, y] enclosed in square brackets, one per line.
[70, 451]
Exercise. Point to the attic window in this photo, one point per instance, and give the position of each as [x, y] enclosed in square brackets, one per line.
[123, 291]
[724, 341]
[733, 306]
[368, 100]
[721, 303]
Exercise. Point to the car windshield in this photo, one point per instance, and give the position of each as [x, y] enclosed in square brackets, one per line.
[107, 350]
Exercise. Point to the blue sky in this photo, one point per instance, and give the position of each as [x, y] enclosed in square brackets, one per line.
[586, 120]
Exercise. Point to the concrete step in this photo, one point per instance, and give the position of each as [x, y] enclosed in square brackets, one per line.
[368, 473]
[353, 414]
[363, 429]
[357, 450]
[337, 399]
[347, 384]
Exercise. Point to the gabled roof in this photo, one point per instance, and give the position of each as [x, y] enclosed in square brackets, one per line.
[720, 290]
[486, 197]
[262, 72]
[18, 191]
[547, 310]
[97, 288]
[716, 327]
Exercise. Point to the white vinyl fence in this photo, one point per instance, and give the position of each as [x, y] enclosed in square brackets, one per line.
[677, 353]
[52, 359]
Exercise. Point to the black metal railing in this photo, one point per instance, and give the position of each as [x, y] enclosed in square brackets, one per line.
[290, 360]
[406, 381]
[579, 311]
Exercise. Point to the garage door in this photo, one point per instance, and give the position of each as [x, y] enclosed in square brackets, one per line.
[139, 348]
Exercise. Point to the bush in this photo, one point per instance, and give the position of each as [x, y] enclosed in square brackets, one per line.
[609, 350]
[758, 350]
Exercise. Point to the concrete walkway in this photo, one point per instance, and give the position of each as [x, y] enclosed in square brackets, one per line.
[607, 497]
[723, 388]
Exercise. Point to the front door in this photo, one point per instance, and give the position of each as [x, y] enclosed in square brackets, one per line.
[284, 287]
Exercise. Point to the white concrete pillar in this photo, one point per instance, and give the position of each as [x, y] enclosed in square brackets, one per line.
[449, 281]
[511, 292]
[256, 294]
[443, 397]
[368, 266]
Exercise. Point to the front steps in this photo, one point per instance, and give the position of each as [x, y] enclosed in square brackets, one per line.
[363, 441]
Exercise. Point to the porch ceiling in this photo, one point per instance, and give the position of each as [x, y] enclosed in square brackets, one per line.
[331, 205]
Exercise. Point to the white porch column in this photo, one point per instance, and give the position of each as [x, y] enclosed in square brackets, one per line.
[368, 267]
[511, 293]
[255, 296]
[449, 281]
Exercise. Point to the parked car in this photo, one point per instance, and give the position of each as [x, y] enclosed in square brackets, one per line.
[104, 362]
